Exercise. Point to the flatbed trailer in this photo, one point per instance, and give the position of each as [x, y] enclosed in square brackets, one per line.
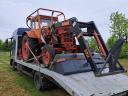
[81, 84]
[85, 83]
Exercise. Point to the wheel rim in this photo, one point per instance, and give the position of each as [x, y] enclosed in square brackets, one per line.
[46, 57]
[25, 50]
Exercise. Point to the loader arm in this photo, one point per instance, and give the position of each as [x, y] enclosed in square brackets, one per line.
[109, 57]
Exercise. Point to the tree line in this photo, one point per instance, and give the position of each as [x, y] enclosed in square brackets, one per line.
[4, 46]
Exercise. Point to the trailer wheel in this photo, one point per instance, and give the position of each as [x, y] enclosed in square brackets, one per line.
[19, 68]
[38, 81]
[47, 55]
[13, 65]
[42, 83]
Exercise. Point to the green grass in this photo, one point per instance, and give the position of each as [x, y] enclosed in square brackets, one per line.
[13, 83]
[124, 62]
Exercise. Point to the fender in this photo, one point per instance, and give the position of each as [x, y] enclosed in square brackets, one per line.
[33, 34]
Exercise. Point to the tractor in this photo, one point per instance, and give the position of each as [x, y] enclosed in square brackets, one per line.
[51, 34]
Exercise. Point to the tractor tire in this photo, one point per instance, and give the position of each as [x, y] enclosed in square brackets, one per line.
[47, 55]
[25, 50]
[31, 43]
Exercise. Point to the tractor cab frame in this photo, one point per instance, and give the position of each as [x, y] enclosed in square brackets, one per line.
[42, 19]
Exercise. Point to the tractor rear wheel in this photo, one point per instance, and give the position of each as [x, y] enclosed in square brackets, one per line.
[25, 48]
[47, 55]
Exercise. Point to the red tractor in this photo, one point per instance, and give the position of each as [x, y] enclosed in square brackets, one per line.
[47, 36]
[54, 34]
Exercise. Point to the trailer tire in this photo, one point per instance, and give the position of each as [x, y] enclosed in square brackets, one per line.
[38, 80]
[41, 83]
[19, 68]
[13, 65]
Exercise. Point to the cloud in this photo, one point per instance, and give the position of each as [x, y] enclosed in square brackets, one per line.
[13, 13]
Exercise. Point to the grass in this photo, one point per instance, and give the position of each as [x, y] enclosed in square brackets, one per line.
[17, 84]
[124, 62]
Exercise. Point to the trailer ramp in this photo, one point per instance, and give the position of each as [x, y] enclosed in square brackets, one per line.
[86, 84]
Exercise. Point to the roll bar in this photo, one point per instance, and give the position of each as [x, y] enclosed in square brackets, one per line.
[38, 10]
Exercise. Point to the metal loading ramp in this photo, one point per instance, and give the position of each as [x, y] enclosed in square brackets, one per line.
[86, 84]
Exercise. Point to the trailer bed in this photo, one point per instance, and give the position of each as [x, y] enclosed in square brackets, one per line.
[85, 83]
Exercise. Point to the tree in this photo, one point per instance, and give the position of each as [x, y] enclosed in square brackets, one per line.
[119, 25]
[119, 28]
[92, 44]
[111, 41]
[4, 46]
[1, 43]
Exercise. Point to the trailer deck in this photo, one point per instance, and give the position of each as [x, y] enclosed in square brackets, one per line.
[85, 83]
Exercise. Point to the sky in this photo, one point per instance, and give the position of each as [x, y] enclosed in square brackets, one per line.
[13, 13]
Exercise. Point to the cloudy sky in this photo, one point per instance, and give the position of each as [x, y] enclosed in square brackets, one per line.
[13, 13]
